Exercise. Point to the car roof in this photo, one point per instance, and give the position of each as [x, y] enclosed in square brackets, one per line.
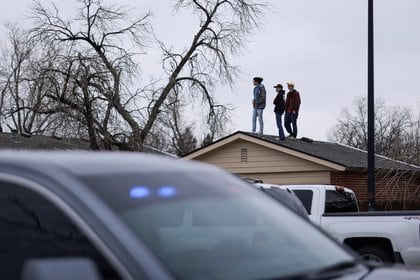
[94, 163]
[291, 187]
[320, 186]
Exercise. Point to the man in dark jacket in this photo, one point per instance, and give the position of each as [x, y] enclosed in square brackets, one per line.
[258, 103]
[279, 106]
[292, 110]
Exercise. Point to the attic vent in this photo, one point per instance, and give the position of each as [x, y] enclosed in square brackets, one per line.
[244, 155]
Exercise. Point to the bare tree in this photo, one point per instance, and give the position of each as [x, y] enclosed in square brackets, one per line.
[397, 137]
[84, 75]
[14, 57]
[224, 25]
[412, 141]
[100, 66]
[398, 189]
[24, 83]
[396, 130]
[178, 132]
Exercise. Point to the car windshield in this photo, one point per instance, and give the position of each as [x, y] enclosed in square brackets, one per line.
[214, 226]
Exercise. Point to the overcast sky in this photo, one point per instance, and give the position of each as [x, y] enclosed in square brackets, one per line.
[321, 45]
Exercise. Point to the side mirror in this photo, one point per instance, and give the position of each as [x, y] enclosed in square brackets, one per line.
[60, 268]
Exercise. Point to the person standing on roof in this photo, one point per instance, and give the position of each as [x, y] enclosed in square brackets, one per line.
[258, 103]
[279, 107]
[292, 110]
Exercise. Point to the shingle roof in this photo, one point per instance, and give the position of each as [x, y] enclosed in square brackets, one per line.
[349, 157]
[40, 142]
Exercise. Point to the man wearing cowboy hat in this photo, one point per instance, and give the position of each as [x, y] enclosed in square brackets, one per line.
[292, 110]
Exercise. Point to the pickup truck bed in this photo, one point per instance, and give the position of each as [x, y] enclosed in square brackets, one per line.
[388, 236]
[385, 236]
[409, 215]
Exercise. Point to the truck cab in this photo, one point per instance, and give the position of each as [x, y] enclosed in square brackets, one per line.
[323, 199]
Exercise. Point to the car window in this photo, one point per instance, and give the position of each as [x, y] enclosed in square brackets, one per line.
[305, 197]
[31, 227]
[340, 201]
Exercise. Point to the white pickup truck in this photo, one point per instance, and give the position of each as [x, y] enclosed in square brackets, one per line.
[379, 236]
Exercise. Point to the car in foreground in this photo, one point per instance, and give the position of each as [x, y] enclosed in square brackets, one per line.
[131, 216]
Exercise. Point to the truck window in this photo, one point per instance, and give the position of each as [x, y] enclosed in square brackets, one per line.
[31, 227]
[305, 197]
[340, 201]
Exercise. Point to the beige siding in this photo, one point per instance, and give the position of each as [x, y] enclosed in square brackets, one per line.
[260, 160]
[291, 178]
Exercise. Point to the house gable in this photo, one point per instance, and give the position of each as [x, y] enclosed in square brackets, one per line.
[241, 153]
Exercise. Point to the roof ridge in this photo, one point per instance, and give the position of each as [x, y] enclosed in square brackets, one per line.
[351, 147]
[275, 136]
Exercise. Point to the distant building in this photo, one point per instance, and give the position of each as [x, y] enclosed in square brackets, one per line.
[314, 162]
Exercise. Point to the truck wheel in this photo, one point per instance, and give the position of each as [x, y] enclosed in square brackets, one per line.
[375, 254]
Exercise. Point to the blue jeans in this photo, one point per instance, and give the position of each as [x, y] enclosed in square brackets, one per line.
[257, 113]
[280, 125]
[291, 119]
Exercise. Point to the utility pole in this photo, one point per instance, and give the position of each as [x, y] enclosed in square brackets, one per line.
[371, 111]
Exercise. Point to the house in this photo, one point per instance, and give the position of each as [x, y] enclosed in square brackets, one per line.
[304, 161]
